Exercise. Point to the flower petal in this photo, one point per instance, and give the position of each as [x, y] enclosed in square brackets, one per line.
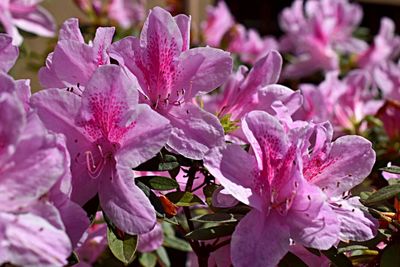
[195, 131]
[124, 203]
[70, 31]
[8, 53]
[203, 69]
[235, 169]
[251, 241]
[39, 22]
[313, 223]
[262, 129]
[355, 224]
[145, 140]
[349, 162]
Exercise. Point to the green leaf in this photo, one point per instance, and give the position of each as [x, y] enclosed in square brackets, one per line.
[338, 259]
[291, 260]
[168, 163]
[211, 232]
[176, 243]
[159, 182]
[391, 256]
[208, 191]
[123, 249]
[148, 259]
[350, 248]
[163, 256]
[382, 194]
[391, 169]
[154, 200]
[218, 218]
[73, 259]
[160, 162]
[184, 199]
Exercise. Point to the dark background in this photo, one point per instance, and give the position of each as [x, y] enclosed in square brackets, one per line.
[263, 14]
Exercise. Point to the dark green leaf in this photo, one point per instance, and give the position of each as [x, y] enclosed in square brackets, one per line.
[177, 243]
[208, 191]
[391, 256]
[338, 259]
[291, 260]
[382, 194]
[72, 259]
[160, 162]
[168, 163]
[123, 249]
[159, 182]
[218, 218]
[148, 259]
[154, 200]
[211, 232]
[184, 199]
[391, 169]
[163, 256]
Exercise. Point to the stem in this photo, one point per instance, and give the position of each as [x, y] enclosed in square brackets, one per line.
[201, 251]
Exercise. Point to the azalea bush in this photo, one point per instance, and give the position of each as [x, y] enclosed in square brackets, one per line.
[141, 148]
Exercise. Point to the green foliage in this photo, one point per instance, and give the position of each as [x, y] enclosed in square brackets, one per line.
[158, 182]
[184, 199]
[123, 248]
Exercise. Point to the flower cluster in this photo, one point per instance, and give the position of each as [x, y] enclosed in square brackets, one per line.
[144, 143]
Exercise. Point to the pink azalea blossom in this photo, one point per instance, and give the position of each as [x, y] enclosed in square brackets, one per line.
[285, 206]
[336, 167]
[127, 12]
[387, 77]
[170, 75]
[386, 46]
[345, 102]
[316, 31]
[108, 133]
[255, 89]
[28, 16]
[31, 230]
[221, 30]
[82, 59]
[249, 45]
[219, 21]
[8, 53]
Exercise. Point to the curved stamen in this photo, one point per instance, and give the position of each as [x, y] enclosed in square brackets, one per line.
[93, 170]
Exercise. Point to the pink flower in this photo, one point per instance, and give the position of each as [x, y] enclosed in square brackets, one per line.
[108, 133]
[386, 46]
[249, 45]
[8, 53]
[316, 31]
[82, 59]
[31, 163]
[255, 89]
[345, 102]
[219, 21]
[336, 167]
[285, 206]
[170, 75]
[127, 12]
[387, 77]
[28, 16]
